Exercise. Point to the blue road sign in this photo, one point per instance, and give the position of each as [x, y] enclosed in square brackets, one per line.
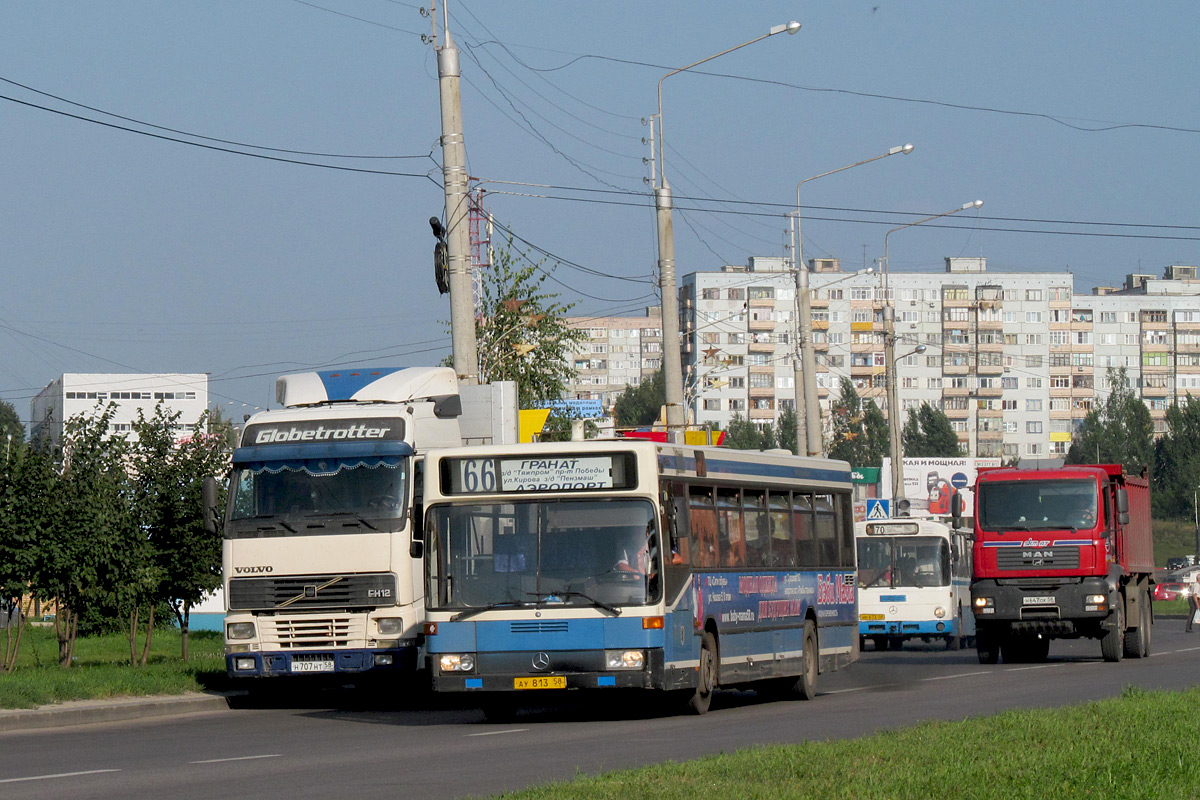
[878, 509]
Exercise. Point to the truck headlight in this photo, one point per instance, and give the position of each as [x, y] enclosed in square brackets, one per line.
[456, 662]
[390, 626]
[239, 630]
[243, 664]
[1095, 599]
[625, 659]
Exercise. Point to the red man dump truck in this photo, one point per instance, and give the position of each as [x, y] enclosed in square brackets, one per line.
[1061, 553]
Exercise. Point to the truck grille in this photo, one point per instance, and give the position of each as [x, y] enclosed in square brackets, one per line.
[1014, 558]
[307, 632]
[304, 592]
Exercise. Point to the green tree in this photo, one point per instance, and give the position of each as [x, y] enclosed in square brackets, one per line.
[641, 404]
[1177, 461]
[27, 492]
[12, 432]
[521, 333]
[1121, 431]
[858, 431]
[184, 560]
[91, 547]
[929, 434]
[785, 429]
[742, 434]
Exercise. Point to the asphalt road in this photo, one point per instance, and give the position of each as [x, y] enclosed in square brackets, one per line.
[336, 747]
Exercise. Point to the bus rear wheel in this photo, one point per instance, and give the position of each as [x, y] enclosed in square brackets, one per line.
[706, 675]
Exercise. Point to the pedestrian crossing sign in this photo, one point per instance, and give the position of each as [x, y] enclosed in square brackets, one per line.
[878, 509]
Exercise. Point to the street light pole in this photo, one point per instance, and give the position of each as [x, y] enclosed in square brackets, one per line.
[1196, 511]
[889, 355]
[667, 285]
[458, 236]
[808, 423]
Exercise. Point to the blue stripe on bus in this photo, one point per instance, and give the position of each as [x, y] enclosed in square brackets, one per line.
[687, 464]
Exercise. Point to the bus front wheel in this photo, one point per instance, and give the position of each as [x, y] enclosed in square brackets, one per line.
[706, 677]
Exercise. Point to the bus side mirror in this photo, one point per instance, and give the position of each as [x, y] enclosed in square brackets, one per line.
[208, 504]
[416, 549]
[1123, 506]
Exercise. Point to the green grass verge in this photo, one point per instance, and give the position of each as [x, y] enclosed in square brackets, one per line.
[1140, 745]
[101, 668]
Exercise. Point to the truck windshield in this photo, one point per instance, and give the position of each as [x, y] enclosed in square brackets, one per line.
[317, 496]
[889, 562]
[598, 553]
[1037, 505]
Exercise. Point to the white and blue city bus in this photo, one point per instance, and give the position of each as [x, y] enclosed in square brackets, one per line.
[609, 565]
[914, 578]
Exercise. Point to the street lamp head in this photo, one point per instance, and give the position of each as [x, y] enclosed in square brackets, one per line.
[920, 349]
[972, 204]
[790, 28]
[901, 148]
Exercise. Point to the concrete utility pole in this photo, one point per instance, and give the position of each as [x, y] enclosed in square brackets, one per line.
[808, 423]
[889, 358]
[667, 286]
[458, 234]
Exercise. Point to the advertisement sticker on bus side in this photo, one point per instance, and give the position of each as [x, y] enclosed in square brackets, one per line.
[768, 599]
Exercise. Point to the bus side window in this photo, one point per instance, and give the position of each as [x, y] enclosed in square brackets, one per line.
[756, 532]
[732, 535]
[827, 534]
[782, 549]
[803, 530]
[702, 519]
[845, 526]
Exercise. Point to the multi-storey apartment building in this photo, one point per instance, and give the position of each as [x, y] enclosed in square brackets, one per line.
[83, 393]
[617, 353]
[1016, 360]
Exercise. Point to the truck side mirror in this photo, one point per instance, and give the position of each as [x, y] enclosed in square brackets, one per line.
[1123, 506]
[956, 509]
[208, 504]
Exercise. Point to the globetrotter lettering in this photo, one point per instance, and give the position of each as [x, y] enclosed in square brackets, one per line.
[834, 589]
[318, 434]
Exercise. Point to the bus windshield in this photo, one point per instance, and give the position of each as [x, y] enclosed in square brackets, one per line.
[1037, 505]
[317, 496]
[891, 562]
[599, 553]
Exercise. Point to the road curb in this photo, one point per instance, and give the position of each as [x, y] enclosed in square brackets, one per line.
[84, 712]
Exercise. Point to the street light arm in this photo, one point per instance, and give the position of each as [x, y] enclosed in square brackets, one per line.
[789, 28]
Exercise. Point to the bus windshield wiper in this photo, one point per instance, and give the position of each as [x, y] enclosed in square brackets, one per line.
[470, 612]
[544, 596]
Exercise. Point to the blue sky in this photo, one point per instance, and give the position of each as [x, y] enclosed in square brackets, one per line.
[1076, 122]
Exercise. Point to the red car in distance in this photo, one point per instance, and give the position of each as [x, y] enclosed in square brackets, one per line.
[1170, 590]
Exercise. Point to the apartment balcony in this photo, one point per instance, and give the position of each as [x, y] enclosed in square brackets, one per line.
[989, 436]
[762, 302]
[989, 392]
[762, 391]
[955, 391]
[1155, 391]
[767, 324]
[762, 413]
[991, 370]
[761, 347]
[956, 369]
[957, 413]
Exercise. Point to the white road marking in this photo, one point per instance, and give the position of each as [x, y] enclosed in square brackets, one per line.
[959, 675]
[497, 733]
[236, 758]
[57, 775]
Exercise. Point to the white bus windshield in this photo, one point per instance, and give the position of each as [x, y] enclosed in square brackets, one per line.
[903, 561]
[286, 498]
[600, 553]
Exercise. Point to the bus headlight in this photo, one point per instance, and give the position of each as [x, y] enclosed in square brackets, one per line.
[456, 662]
[625, 659]
[939, 612]
[239, 630]
[390, 626]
